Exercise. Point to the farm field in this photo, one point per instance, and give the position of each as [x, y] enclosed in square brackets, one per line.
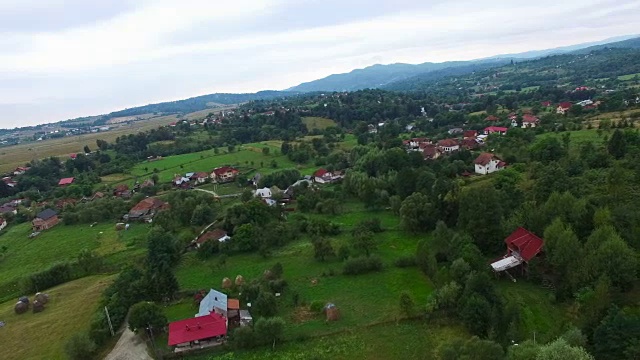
[319, 123]
[628, 77]
[43, 335]
[580, 136]
[61, 243]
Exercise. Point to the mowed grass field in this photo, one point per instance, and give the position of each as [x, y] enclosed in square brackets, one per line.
[580, 137]
[628, 77]
[62, 243]
[43, 335]
[247, 156]
[319, 123]
[364, 300]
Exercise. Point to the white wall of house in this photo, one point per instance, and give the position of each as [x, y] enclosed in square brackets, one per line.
[492, 166]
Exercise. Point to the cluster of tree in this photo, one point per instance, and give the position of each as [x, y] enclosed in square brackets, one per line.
[105, 209]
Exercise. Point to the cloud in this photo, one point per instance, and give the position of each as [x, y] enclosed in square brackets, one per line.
[96, 58]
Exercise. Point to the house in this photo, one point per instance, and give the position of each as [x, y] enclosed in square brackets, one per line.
[218, 235]
[214, 302]
[224, 174]
[264, 193]
[20, 171]
[492, 118]
[209, 328]
[563, 107]
[122, 191]
[146, 209]
[181, 181]
[495, 129]
[147, 183]
[584, 103]
[60, 204]
[3, 224]
[73, 156]
[8, 208]
[322, 176]
[469, 143]
[522, 246]
[546, 103]
[512, 116]
[371, 129]
[448, 145]
[486, 163]
[245, 318]
[469, 134]
[455, 131]
[199, 177]
[46, 219]
[66, 181]
[529, 121]
[431, 152]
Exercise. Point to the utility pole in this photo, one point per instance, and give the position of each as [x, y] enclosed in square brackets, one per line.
[109, 320]
[153, 343]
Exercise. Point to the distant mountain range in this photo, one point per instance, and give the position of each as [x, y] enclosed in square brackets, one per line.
[377, 76]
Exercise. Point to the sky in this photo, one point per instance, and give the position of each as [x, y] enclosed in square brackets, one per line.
[62, 59]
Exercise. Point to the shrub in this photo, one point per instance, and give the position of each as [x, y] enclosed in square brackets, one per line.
[144, 314]
[80, 347]
[316, 306]
[243, 338]
[361, 265]
[55, 275]
[405, 261]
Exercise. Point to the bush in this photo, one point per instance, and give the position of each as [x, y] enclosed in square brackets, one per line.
[405, 261]
[80, 347]
[316, 306]
[243, 338]
[145, 314]
[362, 265]
[55, 275]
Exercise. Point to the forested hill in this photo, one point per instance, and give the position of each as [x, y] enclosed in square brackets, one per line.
[201, 102]
[378, 76]
[598, 68]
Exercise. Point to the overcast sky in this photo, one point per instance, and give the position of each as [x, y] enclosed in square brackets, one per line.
[62, 59]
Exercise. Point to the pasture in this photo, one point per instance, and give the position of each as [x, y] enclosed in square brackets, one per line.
[629, 77]
[320, 123]
[43, 335]
[581, 136]
[61, 243]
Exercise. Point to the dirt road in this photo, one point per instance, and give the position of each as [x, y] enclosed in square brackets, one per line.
[129, 347]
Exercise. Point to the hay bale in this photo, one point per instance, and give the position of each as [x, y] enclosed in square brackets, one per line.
[42, 298]
[37, 307]
[21, 307]
[239, 280]
[333, 314]
[120, 226]
[226, 283]
[24, 299]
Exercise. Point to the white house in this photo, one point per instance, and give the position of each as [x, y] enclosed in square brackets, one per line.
[3, 223]
[529, 121]
[264, 193]
[487, 163]
[449, 145]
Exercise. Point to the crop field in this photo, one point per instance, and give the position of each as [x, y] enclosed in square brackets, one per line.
[628, 77]
[319, 123]
[43, 335]
[61, 243]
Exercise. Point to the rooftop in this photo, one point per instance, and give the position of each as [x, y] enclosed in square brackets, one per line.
[198, 328]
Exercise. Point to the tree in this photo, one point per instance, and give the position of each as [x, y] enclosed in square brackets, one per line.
[145, 314]
[417, 213]
[406, 304]
[547, 149]
[617, 145]
[473, 348]
[364, 242]
[80, 347]
[476, 315]
[480, 214]
[265, 151]
[561, 350]
[617, 336]
[269, 330]
[265, 304]
[86, 149]
[322, 249]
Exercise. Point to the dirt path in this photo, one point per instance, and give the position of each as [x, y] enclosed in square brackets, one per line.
[129, 347]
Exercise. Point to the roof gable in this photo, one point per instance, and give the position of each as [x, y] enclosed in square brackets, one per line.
[46, 214]
[198, 328]
[214, 299]
[526, 243]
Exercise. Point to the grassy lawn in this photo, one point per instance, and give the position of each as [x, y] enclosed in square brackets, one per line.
[580, 137]
[364, 300]
[312, 123]
[43, 335]
[628, 77]
[61, 243]
[404, 340]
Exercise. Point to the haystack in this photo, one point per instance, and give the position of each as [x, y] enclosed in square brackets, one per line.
[332, 312]
[42, 298]
[21, 307]
[38, 306]
[239, 280]
[120, 226]
[226, 283]
[268, 275]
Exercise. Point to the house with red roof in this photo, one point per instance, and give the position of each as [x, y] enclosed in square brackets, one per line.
[495, 130]
[529, 121]
[430, 152]
[448, 145]
[322, 176]
[563, 107]
[146, 209]
[199, 177]
[20, 170]
[218, 235]
[492, 118]
[224, 174]
[546, 103]
[202, 330]
[66, 181]
[487, 163]
[470, 134]
[522, 246]
[470, 143]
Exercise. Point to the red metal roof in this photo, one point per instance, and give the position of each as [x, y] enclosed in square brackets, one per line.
[320, 172]
[495, 128]
[224, 169]
[448, 142]
[66, 181]
[198, 328]
[565, 105]
[491, 118]
[529, 119]
[527, 244]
